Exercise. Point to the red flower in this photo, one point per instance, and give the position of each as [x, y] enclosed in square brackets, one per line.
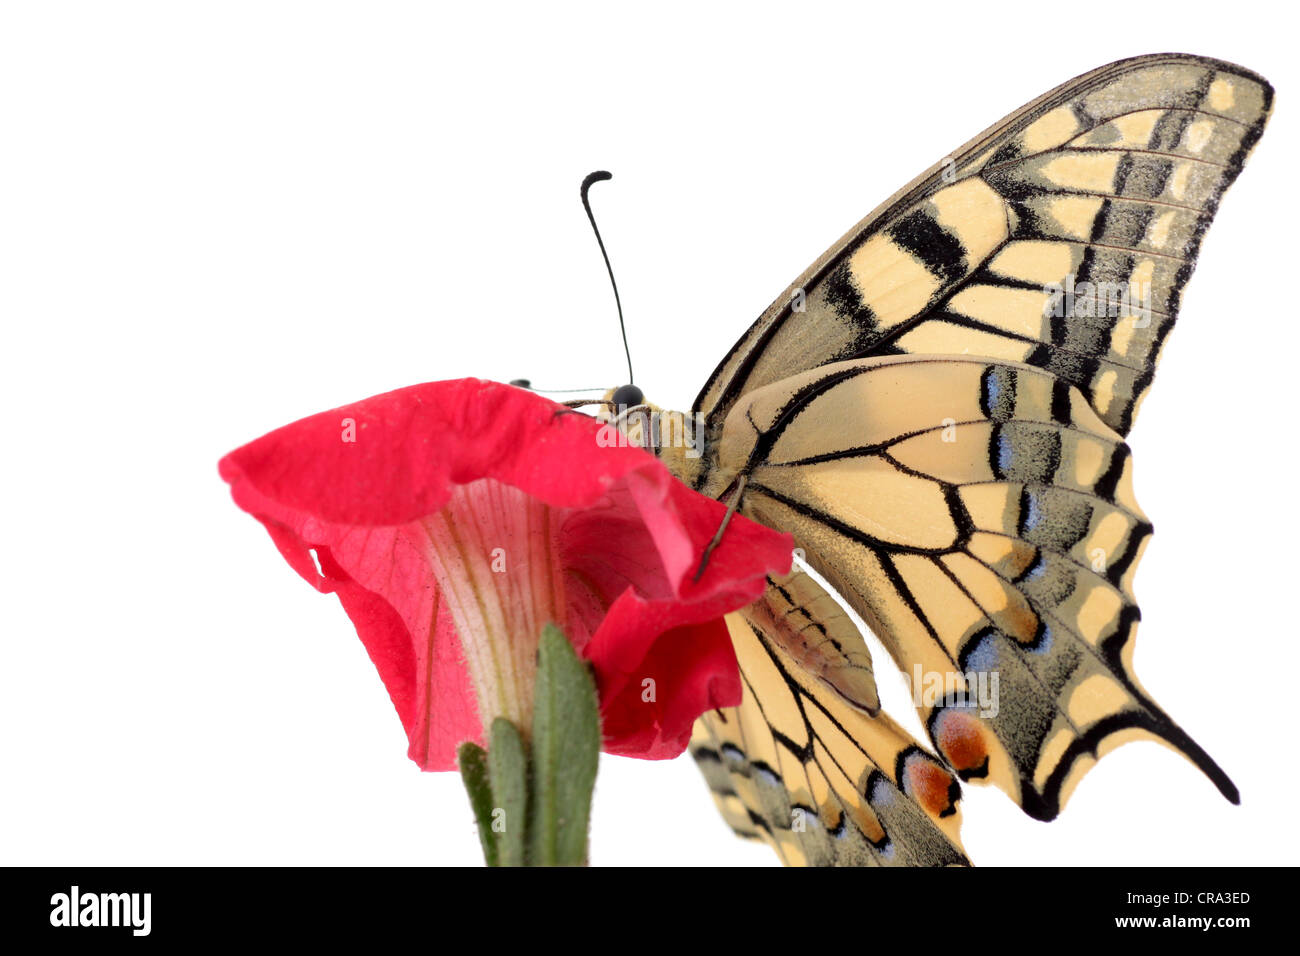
[469, 509]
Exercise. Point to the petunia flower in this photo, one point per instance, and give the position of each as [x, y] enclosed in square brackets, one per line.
[455, 519]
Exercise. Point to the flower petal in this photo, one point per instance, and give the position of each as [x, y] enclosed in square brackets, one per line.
[352, 486]
[410, 445]
[658, 670]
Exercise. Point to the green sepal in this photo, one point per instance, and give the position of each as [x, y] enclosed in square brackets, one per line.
[566, 751]
[472, 760]
[508, 771]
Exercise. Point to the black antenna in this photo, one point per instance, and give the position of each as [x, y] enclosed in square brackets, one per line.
[600, 176]
[526, 383]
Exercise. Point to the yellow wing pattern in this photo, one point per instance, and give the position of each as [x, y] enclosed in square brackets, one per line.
[820, 781]
[1061, 237]
[935, 410]
[980, 517]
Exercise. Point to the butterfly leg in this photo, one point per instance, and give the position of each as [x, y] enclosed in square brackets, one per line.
[572, 405]
[732, 505]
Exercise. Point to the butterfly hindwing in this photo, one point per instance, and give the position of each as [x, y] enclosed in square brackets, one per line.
[1061, 237]
[980, 517]
[818, 779]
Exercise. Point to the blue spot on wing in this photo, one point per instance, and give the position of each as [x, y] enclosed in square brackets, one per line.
[880, 792]
[984, 655]
[1006, 454]
[992, 391]
[1035, 514]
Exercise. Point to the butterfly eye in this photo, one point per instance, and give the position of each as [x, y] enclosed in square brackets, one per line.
[628, 396]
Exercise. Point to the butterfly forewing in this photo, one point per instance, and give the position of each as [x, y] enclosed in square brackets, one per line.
[1062, 237]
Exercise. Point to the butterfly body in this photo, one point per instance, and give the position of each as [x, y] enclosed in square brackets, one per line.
[936, 411]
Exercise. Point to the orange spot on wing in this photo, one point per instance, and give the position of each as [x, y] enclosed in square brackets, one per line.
[928, 783]
[960, 741]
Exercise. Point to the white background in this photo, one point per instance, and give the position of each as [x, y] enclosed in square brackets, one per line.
[218, 218]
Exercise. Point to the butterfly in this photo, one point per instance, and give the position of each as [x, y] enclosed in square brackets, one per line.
[935, 411]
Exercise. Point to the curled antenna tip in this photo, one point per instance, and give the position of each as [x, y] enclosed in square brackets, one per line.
[599, 176]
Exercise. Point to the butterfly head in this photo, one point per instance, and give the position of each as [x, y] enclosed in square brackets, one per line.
[627, 396]
[627, 410]
[675, 438]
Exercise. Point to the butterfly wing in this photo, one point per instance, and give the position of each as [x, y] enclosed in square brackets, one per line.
[806, 762]
[1056, 244]
[816, 778]
[980, 517]
[1061, 237]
